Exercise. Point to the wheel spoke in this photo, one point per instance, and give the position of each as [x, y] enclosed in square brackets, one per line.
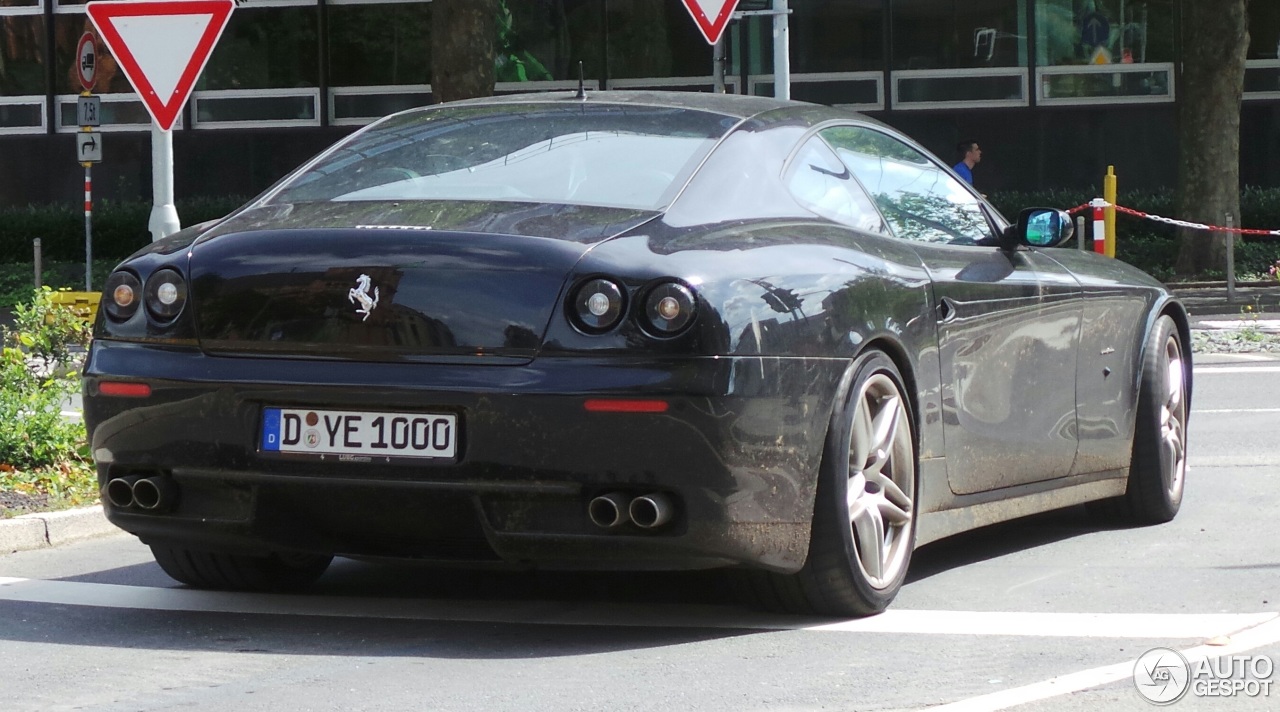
[886, 423]
[860, 449]
[892, 513]
[1172, 438]
[868, 530]
[892, 492]
[1174, 401]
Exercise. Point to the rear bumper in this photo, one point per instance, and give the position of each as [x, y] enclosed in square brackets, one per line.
[737, 452]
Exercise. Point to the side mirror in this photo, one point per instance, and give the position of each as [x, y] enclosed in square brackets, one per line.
[1044, 227]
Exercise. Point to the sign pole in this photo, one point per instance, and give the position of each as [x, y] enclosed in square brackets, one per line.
[164, 216]
[88, 227]
[717, 65]
[781, 50]
[88, 145]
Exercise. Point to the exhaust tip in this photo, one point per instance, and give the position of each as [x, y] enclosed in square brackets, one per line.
[119, 491]
[153, 493]
[651, 510]
[608, 511]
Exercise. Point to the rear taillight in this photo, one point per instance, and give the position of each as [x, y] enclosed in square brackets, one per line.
[166, 294]
[123, 294]
[669, 307]
[597, 306]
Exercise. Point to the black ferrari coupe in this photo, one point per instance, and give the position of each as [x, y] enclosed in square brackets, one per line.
[626, 331]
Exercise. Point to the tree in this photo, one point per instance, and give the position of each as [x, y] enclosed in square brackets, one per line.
[463, 33]
[1215, 44]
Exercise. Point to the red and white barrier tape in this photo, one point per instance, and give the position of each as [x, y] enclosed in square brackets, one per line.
[1180, 223]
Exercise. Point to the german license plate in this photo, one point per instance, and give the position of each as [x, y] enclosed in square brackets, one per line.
[359, 433]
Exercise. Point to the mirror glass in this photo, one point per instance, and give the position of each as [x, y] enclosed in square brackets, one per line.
[1045, 228]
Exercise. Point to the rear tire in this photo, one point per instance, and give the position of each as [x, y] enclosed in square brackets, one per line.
[1157, 471]
[240, 572]
[864, 514]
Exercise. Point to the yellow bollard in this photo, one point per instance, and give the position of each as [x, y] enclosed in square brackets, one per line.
[1109, 194]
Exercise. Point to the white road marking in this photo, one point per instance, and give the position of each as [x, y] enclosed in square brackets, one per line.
[1065, 625]
[1258, 636]
[1237, 324]
[1236, 369]
[1237, 410]
[1248, 357]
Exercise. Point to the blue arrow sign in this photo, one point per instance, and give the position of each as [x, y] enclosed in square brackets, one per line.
[1095, 30]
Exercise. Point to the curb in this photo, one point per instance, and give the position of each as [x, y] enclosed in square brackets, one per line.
[48, 529]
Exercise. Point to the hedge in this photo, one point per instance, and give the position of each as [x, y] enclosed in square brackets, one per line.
[120, 228]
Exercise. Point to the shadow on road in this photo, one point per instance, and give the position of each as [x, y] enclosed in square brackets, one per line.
[999, 540]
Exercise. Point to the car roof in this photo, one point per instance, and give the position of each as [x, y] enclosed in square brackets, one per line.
[734, 105]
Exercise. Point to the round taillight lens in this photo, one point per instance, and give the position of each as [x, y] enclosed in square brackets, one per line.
[166, 294]
[123, 293]
[597, 306]
[669, 308]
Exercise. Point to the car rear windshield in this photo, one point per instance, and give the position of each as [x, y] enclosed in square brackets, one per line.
[574, 153]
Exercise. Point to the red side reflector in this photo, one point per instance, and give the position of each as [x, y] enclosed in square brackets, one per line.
[124, 390]
[601, 405]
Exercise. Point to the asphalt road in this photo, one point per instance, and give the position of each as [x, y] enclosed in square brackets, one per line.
[1048, 613]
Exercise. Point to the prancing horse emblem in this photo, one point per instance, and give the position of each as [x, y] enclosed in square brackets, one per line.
[360, 293]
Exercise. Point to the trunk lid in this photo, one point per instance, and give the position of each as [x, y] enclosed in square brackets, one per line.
[370, 287]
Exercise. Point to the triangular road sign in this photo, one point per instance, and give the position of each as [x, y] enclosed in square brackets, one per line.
[161, 45]
[712, 16]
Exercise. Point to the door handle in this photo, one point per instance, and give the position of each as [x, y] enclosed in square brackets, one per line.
[946, 310]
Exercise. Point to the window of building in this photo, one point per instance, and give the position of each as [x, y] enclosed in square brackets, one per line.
[843, 60]
[379, 58]
[933, 39]
[544, 40]
[22, 53]
[1104, 50]
[265, 69]
[1262, 72]
[656, 40]
[918, 197]
[382, 44]
[22, 68]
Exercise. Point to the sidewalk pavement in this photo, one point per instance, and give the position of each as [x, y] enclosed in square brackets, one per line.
[1253, 304]
[46, 529]
[1209, 304]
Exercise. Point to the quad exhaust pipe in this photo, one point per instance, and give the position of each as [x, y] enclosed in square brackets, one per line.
[146, 493]
[616, 509]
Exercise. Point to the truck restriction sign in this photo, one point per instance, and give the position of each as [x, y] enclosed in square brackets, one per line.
[86, 61]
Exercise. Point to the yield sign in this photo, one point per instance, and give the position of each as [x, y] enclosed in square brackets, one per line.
[162, 46]
[712, 16]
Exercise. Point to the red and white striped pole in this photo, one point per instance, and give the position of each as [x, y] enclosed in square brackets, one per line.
[1099, 206]
[88, 227]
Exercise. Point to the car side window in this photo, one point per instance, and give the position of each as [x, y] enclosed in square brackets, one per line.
[823, 185]
[916, 195]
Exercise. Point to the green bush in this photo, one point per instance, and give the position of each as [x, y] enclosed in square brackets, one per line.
[1153, 246]
[44, 460]
[37, 375]
[119, 227]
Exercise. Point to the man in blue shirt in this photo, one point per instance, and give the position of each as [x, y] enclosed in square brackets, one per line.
[970, 156]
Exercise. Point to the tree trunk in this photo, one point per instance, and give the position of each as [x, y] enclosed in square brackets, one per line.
[463, 33]
[1215, 43]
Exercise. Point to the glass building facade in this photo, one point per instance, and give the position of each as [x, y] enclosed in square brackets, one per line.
[1054, 90]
